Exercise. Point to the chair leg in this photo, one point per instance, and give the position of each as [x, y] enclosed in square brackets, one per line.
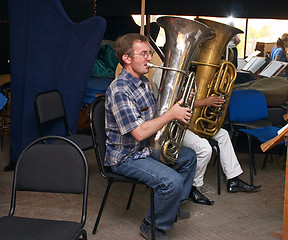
[251, 160]
[102, 207]
[265, 160]
[213, 143]
[131, 196]
[84, 235]
[152, 213]
[218, 170]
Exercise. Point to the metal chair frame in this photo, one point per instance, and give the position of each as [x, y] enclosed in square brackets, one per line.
[97, 124]
[251, 120]
[49, 107]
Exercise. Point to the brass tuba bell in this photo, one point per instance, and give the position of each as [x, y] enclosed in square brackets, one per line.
[213, 77]
[183, 36]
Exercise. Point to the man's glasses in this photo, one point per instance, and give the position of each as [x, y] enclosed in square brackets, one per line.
[145, 54]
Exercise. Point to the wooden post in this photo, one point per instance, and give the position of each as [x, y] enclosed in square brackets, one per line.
[285, 208]
[142, 17]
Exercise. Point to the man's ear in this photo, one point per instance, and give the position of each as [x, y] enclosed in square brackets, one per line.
[126, 59]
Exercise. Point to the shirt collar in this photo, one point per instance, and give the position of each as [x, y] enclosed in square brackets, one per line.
[136, 81]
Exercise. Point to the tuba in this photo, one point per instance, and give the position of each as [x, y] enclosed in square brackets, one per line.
[214, 77]
[183, 36]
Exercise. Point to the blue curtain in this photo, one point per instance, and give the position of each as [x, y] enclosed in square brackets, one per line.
[48, 51]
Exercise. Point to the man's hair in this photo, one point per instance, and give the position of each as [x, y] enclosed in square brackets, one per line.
[125, 44]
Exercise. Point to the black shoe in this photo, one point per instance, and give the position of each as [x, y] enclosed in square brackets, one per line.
[237, 185]
[198, 197]
[10, 167]
[182, 214]
[145, 231]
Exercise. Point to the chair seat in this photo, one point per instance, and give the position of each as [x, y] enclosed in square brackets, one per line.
[120, 178]
[12, 228]
[263, 134]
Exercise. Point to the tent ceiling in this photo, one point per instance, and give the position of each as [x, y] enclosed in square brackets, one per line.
[220, 8]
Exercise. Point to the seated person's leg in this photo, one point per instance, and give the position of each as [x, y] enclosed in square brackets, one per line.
[204, 152]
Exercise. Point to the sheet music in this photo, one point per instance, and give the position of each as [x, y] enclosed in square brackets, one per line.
[272, 68]
[282, 129]
[254, 64]
[254, 54]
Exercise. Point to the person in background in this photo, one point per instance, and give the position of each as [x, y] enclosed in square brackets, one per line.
[129, 124]
[279, 52]
[228, 159]
[233, 45]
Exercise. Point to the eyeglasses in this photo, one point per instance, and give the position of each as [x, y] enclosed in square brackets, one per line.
[145, 54]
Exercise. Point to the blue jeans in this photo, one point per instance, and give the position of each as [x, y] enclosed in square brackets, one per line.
[171, 186]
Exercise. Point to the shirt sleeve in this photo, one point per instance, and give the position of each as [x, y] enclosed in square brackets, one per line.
[126, 113]
[279, 52]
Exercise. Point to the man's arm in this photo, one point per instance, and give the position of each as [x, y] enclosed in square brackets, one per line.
[209, 101]
[149, 128]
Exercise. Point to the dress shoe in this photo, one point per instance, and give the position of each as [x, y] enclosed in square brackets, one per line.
[10, 166]
[182, 214]
[237, 185]
[198, 197]
[145, 231]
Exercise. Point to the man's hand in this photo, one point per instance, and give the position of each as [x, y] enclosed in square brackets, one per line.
[182, 114]
[214, 101]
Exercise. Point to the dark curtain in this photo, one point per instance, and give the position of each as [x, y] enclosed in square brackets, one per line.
[48, 51]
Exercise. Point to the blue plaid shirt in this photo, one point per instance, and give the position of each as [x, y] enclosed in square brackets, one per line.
[129, 103]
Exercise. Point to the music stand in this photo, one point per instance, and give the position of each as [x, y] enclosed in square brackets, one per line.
[268, 145]
[254, 65]
[273, 69]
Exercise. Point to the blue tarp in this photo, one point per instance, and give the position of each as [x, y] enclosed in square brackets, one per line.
[48, 51]
[3, 101]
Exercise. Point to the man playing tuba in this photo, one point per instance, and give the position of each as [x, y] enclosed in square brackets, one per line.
[129, 123]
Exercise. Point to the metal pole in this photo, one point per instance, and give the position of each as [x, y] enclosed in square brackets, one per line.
[245, 40]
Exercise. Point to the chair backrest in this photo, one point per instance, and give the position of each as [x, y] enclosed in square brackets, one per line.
[53, 168]
[247, 105]
[97, 124]
[275, 115]
[49, 108]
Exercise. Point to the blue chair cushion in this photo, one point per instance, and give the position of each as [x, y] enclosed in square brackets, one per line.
[263, 134]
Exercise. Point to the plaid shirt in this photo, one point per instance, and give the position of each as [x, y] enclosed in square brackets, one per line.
[129, 103]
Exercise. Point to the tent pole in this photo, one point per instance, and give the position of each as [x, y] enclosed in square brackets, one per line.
[245, 40]
[142, 17]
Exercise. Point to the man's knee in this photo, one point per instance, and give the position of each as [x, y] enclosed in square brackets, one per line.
[206, 151]
[177, 185]
[188, 155]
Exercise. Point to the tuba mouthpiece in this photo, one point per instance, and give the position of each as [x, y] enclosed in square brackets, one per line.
[150, 65]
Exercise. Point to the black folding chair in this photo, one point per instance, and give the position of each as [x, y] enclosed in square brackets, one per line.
[97, 123]
[49, 107]
[50, 168]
